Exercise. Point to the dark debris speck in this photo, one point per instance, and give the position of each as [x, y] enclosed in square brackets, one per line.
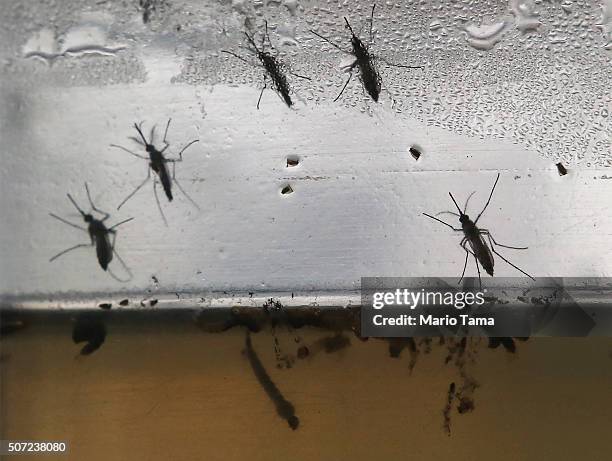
[561, 169]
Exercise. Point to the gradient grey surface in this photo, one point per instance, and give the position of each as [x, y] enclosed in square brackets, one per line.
[535, 95]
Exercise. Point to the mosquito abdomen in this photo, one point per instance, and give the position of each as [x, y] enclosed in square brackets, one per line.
[282, 87]
[370, 79]
[104, 252]
[487, 265]
[166, 183]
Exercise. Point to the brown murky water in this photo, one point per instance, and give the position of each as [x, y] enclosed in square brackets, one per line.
[167, 390]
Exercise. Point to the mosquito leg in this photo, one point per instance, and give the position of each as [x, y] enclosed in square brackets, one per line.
[129, 151]
[488, 234]
[173, 160]
[447, 212]
[489, 199]
[166, 134]
[372, 24]
[93, 207]
[185, 193]
[516, 267]
[235, 55]
[159, 204]
[328, 41]
[467, 254]
[392, 64]
[118, 279]
[344, 87]
[113, 246]
[181, 187]
[180, 154]
[61, 253]
[120, 259]
[478, 269]
[118, 224]
[445, 223]
[67, 222]
[299, 76]
[137, 189]
[262, 90]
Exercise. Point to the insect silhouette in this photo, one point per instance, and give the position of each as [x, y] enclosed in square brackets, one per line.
[91, 331]
[274, 68]
[474, 235]
[284, 408]
[99, 235]
[450, 396]
[364, 61]
[159, 164]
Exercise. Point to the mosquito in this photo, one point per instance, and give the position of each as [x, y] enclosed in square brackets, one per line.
[274, 68]
[99, 235]
[474, 235]
[159, 164]
[364, 60]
